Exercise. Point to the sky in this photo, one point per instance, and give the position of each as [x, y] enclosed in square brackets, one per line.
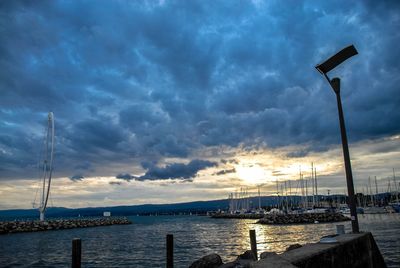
[175, 101]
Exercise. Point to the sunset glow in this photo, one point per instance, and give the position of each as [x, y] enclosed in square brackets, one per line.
[251, 173]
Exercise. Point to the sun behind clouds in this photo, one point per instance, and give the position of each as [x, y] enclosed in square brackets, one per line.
[252, 173]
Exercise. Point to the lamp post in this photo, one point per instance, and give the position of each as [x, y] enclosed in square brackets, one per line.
[324, 68]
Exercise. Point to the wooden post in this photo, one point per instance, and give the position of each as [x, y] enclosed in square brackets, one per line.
[170, 251]
[76, 253]
[253, 242]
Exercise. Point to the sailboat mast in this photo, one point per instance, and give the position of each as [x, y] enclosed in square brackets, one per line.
[316, 185]
[282, 187]
[302, 188]
[290, 194]
[395, 187]
[306, 181]
[370, 191]
[277, 192]
[313, 184]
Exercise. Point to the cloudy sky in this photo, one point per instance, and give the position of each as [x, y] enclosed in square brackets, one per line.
[171, 101]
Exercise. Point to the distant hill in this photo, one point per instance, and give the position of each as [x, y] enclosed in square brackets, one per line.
[199, 207]
[193, 207]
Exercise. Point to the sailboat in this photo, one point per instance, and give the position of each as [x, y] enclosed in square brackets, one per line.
[395, 205]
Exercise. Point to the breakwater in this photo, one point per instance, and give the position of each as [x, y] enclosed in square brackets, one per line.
[302, 218]
[36, 226]
[285, 218]
[237, 216]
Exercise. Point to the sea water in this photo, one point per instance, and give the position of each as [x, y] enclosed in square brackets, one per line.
[142, 244]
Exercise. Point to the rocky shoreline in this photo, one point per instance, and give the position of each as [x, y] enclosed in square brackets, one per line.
[302, 218]
[245, 260]
[237, 216]
[36, 226]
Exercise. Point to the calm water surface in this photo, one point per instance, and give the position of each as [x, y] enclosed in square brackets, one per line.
[142, 244]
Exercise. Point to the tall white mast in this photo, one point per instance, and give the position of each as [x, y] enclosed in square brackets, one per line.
[47, 165]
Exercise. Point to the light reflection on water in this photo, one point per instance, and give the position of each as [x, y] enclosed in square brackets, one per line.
[142, 244]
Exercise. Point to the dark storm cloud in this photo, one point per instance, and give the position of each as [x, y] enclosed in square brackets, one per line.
[141, 81]
[278, 173]
[93, 135]
[229, 161]
[76, 178]
[175, 171]
[84, 166]
[115, 183]
[298, 153]
[225, 171]
[125, 176]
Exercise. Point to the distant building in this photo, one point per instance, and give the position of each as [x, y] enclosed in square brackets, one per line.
[106, 214]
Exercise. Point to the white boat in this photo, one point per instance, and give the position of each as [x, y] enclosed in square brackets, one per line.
[374, 210]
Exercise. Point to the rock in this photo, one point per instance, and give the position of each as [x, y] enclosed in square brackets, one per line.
[294, 246]
[267, 254]
[245, 259]
[233, 264]
[209, 261]
[247, 255]
[242, 263]
[245, 263]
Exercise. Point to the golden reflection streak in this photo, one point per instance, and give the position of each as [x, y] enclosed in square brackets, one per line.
[274, 238]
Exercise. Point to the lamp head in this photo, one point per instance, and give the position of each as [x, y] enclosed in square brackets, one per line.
[336, 59]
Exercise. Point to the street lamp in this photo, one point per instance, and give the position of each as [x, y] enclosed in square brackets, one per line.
[324, 68]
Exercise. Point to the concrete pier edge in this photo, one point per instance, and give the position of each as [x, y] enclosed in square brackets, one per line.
[347, 250]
